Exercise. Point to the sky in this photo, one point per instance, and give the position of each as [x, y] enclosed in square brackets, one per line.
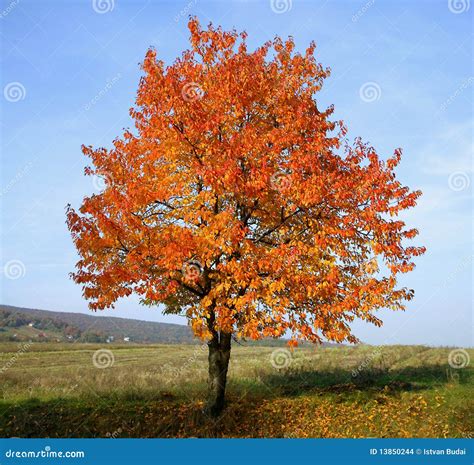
[401, 76]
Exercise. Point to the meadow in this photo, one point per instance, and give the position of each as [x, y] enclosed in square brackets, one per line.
[71, 390]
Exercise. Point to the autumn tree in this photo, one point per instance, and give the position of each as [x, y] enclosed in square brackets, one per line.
[237, 202]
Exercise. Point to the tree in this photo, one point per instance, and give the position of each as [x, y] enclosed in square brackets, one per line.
[238, 203]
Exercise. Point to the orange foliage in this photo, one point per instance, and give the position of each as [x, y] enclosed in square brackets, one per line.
[239, 202]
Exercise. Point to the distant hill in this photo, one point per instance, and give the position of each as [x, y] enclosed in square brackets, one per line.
[25, 324]
[18, 323]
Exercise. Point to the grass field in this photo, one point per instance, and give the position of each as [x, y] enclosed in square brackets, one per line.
[57, 390]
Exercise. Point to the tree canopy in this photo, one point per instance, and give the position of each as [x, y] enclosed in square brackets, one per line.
[239, 202]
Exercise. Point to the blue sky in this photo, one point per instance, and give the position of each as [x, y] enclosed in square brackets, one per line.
[402, 76]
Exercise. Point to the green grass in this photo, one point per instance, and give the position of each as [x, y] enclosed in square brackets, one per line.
[26, 333]
[54, 390]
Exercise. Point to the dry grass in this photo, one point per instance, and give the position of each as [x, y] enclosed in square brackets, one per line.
[149, 391]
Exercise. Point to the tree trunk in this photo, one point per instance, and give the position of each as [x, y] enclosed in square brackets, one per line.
[219, 355]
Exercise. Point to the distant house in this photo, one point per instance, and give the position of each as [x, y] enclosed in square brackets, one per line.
[126, 339]
[31, 325]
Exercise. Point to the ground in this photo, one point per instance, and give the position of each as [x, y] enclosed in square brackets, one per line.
[63, 390]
